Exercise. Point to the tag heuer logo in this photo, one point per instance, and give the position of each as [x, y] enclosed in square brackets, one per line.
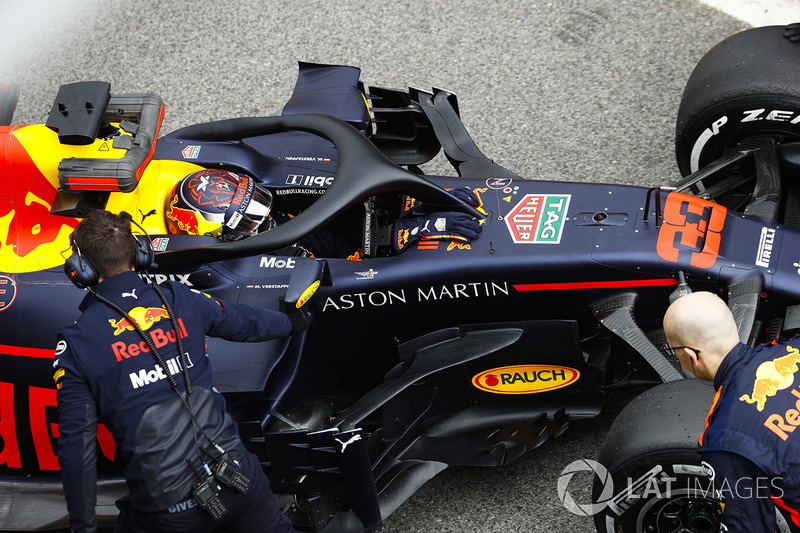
[191, 152]
[160, 244]
[538, 218]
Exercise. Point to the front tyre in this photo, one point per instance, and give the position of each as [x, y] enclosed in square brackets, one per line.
[745, 87]
[660, 484]
[661, 493]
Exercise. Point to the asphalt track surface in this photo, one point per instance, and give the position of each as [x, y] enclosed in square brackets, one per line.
[568, 90]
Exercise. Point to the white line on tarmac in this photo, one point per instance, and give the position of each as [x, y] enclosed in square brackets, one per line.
[759, 12]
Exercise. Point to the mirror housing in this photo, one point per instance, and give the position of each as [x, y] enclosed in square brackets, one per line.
[307, 276]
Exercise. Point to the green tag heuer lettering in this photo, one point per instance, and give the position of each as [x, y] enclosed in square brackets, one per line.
[553, 214]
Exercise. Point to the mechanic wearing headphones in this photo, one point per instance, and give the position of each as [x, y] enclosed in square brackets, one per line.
[135, 361]
[748, 439]
[230, 207]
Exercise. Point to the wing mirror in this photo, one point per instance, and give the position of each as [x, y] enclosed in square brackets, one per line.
[308, 274]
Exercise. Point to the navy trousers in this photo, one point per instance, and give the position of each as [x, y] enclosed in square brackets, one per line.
[254, 512]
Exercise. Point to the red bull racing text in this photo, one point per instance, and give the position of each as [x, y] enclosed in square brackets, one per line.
[123, 350]
[784, 424]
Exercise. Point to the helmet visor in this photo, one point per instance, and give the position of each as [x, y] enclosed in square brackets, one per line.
[245, 222]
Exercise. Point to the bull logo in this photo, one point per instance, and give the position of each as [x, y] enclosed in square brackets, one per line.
[31, 237]
[772, 376]
[145, 317]
[185, 219]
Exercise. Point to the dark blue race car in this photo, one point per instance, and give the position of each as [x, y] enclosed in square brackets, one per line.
[423, 352]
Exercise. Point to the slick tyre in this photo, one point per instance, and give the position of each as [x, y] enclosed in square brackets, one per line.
[659, 482]
[746, 86]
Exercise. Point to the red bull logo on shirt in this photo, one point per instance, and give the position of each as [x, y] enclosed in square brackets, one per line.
[772, 376]
[145, 317]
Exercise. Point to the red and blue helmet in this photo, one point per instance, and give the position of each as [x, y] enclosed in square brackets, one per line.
[218, 203]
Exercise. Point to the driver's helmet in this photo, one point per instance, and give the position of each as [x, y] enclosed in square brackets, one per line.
[218, 203]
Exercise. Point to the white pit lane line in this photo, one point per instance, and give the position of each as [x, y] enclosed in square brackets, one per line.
[759, 12]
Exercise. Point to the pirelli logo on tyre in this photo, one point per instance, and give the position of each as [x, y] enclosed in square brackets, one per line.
[538, 218]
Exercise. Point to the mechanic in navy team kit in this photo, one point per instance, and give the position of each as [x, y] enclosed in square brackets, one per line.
[749, 439]
[128, 362]
[230, 207]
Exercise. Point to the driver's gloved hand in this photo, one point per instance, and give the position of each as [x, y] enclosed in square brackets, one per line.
[465, 194]
[413, 207]
[298, 317]
[450, 226]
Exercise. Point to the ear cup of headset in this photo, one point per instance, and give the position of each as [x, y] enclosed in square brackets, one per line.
[79, 271]
[143, 254]
[82, 274]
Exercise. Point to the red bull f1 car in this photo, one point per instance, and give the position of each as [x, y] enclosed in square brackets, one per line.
[447, 353]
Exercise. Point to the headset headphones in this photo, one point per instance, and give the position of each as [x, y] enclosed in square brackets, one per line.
[82, 273]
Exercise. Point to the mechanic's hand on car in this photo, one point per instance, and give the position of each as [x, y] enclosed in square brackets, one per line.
[298, 317]
[413, 207]
[445, 225]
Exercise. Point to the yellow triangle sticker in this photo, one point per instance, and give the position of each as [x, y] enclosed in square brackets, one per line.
[507, 199]
[103, 147]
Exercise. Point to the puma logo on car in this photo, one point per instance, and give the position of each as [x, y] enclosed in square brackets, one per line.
[351, 440]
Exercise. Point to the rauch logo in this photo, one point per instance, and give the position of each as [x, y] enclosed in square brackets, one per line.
[525, 379]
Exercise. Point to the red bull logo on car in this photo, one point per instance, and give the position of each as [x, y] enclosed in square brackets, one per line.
[31, 237]
[525, 379]
[184, 219]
